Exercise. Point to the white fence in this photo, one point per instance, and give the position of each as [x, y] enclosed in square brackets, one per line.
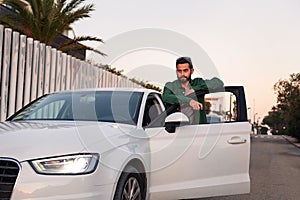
[30, 69]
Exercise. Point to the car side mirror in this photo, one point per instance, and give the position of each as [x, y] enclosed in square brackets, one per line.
[174, 120]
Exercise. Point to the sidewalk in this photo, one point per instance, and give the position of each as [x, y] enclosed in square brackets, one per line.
[292, 140]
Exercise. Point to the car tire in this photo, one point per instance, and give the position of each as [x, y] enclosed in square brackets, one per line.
[130, 186]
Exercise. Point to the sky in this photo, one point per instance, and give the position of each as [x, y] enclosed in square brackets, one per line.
[253, 43]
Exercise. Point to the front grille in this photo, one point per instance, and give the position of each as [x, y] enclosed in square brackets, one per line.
[9, 170]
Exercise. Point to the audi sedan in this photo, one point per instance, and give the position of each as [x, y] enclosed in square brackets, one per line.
[121, 144]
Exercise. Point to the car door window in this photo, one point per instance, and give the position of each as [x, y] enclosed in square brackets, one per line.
[152, 110]
[220, 107]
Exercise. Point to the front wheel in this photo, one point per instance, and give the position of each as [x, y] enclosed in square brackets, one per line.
[130, 186]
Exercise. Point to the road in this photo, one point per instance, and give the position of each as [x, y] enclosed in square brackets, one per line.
[274, 170]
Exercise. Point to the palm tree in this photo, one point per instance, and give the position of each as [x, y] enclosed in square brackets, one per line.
[46, 20]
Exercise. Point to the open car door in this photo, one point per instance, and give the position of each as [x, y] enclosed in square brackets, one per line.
[191, 161]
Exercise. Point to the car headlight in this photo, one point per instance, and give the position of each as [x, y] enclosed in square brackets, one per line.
[66, 165]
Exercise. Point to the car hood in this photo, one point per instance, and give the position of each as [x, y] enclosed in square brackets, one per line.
[31, 140]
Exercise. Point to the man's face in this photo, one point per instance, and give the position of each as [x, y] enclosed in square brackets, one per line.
[184, 72]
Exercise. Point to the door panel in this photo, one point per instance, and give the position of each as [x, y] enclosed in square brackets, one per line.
[199, 161]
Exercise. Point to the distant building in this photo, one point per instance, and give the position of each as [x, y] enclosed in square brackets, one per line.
[216, 103]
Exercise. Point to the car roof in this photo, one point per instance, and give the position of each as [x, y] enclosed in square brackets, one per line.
[143, 90]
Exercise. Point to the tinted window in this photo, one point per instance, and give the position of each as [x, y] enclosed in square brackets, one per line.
[152, 110]
[107, 106]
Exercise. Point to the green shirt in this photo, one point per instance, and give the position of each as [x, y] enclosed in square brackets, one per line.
[174, 93]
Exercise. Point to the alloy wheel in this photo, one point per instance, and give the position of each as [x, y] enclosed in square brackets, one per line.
[132, 190]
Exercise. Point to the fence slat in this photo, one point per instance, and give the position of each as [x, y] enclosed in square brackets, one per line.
[41, 70]
[1, 53]
[75, 72]
[76, 81]
[47, 70]
[63, 72]
[58, 71]
[100, 73]
[108, 79]
[94, 77]
[35, 69]
[103, 77]
[89, 77]
[82, 75]
[68, 72]
[21, 72]
[13, 74]
[28, 71]
[53, 70]
[5, 73]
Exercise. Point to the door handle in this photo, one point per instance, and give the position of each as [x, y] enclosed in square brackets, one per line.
[237, 140]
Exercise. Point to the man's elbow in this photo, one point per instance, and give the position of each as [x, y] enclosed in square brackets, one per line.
[218, 83]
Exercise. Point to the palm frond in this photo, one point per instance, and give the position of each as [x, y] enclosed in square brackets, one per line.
[16, 4]
[72, 5]
[46, 20]
[83, 12]
[73, 44]
[22, 19]
[74, 47]
[9, 21]
[84, 38]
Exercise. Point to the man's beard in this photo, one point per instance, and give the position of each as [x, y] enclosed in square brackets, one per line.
[186, 79]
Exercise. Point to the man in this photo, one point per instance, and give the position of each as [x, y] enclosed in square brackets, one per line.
[176, 92]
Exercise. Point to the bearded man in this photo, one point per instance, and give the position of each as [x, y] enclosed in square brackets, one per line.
[176, 92]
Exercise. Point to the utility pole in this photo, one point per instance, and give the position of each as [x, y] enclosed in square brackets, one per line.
[254, 111]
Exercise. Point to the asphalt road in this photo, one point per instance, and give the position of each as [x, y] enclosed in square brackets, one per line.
[274, 170]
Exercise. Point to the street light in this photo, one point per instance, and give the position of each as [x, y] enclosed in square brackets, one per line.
[230, 102]
[254, 125]
[249, 114]
[254, 117]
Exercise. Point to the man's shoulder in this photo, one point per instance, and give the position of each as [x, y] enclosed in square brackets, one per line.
[198, 80]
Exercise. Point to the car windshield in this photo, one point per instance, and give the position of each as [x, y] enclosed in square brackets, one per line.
[106, 106]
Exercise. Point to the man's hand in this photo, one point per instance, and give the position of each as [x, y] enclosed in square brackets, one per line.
[196, 105]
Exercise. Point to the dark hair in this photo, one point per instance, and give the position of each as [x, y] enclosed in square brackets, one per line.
[183, 60]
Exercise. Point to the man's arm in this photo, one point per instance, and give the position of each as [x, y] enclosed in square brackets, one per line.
[214, 83]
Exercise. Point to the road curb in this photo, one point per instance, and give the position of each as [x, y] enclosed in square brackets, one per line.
[292, 140]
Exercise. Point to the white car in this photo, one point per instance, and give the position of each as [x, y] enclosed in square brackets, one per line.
[116, 144]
